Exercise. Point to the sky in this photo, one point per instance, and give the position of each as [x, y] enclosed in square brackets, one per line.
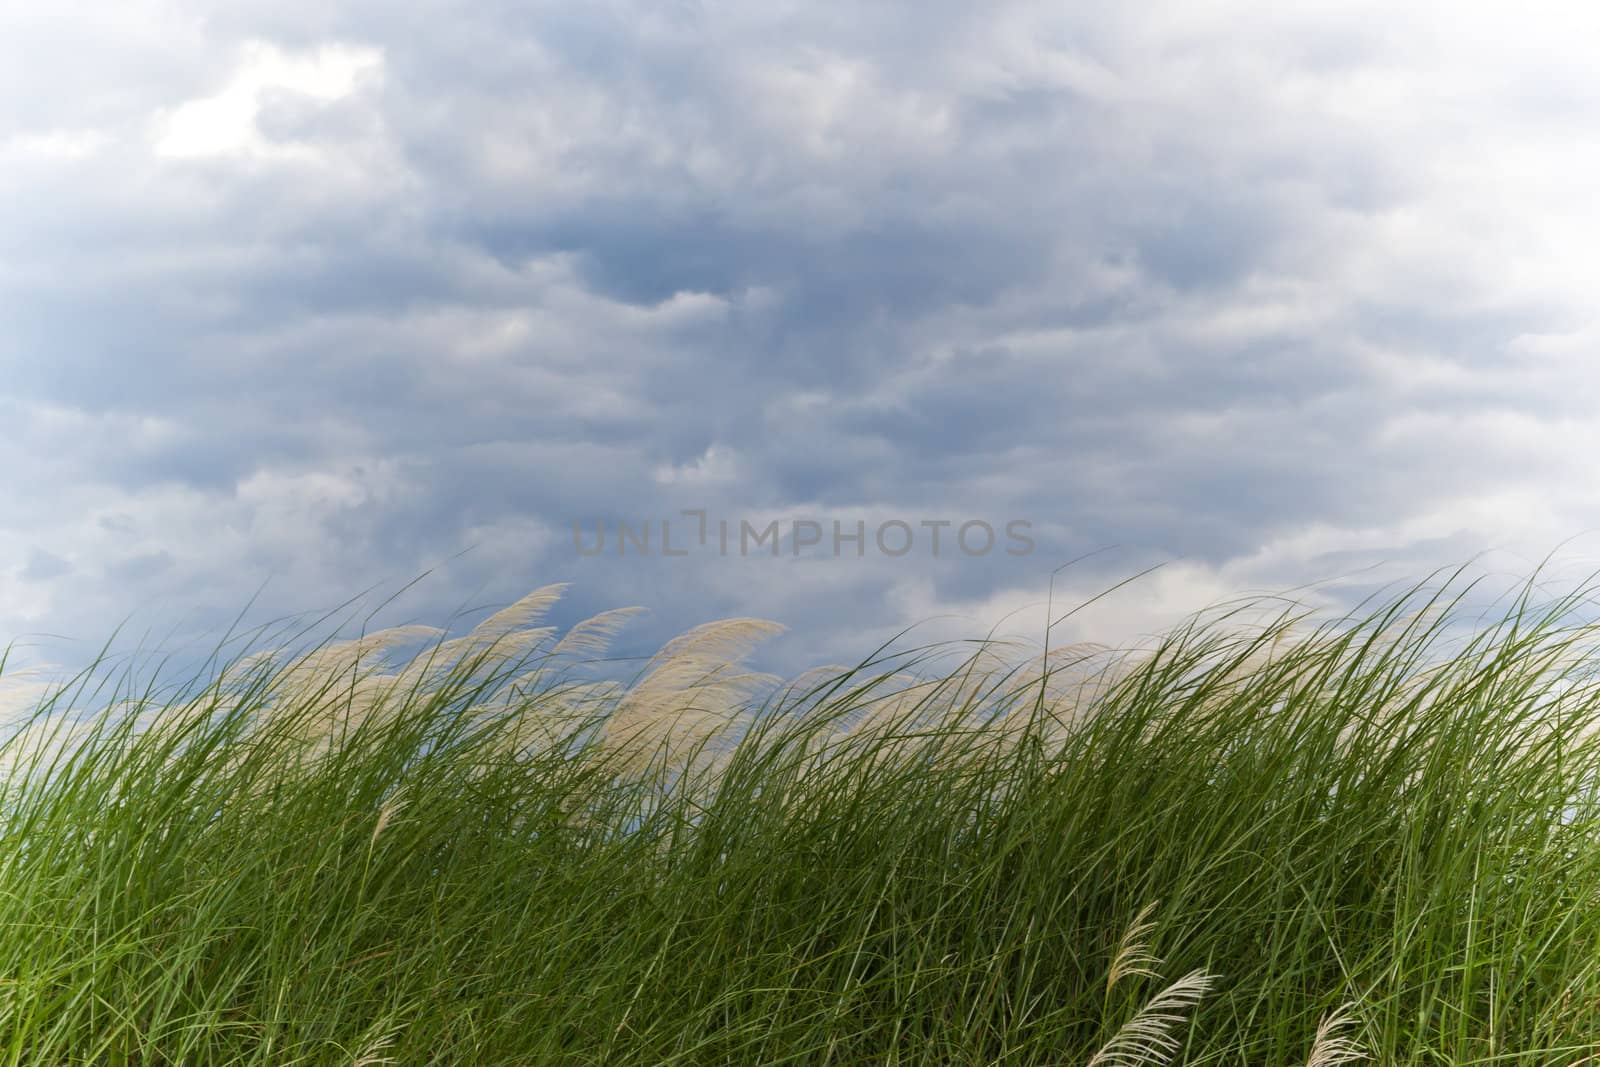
[302, 301]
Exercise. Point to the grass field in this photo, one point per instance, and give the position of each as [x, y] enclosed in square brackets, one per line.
[1290, 842]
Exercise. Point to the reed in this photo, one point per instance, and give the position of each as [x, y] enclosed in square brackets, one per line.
[1293, 842]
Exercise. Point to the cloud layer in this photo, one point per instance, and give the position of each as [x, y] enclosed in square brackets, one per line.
[324, 296]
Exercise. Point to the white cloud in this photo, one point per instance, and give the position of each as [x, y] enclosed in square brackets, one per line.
[225, 123]
[56, 144]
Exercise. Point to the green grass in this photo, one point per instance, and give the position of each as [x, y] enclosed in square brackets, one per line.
[1243, 844]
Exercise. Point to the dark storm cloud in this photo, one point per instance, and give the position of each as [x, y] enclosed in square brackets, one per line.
[326, 295]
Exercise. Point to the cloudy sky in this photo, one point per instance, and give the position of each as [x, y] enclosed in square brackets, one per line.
[303, 299]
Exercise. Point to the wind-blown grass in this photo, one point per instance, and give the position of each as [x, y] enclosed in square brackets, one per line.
[1279, 844]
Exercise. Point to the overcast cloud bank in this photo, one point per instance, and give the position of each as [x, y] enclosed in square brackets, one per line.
[324, 296]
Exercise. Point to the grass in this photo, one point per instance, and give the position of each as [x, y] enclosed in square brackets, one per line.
[1281, 843]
